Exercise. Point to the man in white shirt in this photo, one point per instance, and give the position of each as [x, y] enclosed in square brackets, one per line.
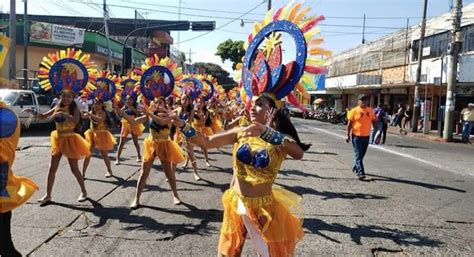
[467, 121]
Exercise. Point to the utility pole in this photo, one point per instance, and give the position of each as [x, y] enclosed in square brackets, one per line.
[12, 36]
[363, 31]
[25, 45]
[109, 51]
[179, 19]
[190, 53]
[269, 5]
[416, 109]
[453, 50]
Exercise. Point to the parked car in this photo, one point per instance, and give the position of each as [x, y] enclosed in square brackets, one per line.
[20, 100]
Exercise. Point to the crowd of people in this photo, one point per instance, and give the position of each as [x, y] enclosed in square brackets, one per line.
[183, 112]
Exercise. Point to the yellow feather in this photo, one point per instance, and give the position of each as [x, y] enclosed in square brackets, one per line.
[301, 15]
[315, 62]
[309, 34]
[284, 12]
[268, 17]
[293, 11]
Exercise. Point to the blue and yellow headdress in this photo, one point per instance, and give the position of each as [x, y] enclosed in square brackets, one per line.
[158, 77]
[263, 72]
[105, 87]
[190, 85]
[67, 70]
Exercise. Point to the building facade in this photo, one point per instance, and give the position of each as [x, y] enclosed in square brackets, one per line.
[386, 68]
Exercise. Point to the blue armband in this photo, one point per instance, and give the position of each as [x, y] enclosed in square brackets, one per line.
[188, 131]
[272, 136]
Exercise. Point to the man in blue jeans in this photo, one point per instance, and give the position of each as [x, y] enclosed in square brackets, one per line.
[380, 116]
[360, 120]
[467, 121]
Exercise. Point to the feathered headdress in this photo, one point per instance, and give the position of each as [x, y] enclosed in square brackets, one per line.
[263, 71]
[129, 87]
[106, 86]
[191, 86]
[207, 90]
[67, 70]
[158, 77]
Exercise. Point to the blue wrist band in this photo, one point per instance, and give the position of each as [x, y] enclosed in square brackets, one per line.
[272, 136]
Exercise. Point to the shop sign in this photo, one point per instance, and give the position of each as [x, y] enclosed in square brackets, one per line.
[47, 33]
[103, 50]
[393, 91]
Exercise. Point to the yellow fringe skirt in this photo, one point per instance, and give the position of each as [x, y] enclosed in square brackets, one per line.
[216, 125]
[136, 129]
[101, 139]
[205, 131]
[165, 149]
[273, 216]
[69, 144]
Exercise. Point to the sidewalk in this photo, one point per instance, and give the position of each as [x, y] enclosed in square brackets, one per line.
[430, 136]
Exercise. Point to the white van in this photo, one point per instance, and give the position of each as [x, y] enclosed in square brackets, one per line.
[20, 100]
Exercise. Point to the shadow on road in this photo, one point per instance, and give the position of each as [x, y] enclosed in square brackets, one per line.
[400, 237]
[327, 195]
[414, 183]
[410, 146]
[221, 187]
[141, 222]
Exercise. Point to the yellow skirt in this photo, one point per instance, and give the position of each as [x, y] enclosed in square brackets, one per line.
[101, 139]
[165, 150]
[216, 125]
[274, 216]
[136, 129]
[18, 190]
[71, 145]
[205, 131]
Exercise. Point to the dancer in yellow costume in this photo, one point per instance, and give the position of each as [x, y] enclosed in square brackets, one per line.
[129, 96]
[252, 207]
[157, 82]
[67, 73]
[189, 89]
[14, 190]
[98, 136]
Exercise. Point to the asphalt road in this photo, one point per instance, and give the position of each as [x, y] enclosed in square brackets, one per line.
[418, 199]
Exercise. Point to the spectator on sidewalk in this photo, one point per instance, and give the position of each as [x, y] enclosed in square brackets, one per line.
[379, 117]
[467, 121]
[408, 116]
[360, 120]
[386, 120]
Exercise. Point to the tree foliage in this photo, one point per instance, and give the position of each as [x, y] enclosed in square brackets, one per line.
[217, 72]
[232, 51]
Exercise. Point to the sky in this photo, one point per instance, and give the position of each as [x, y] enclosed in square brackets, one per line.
[342, 28]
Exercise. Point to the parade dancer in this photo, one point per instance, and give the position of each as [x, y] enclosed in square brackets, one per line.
[190, 89]
[156, 84]
[202, 123]
[67, 73]
[98, 136]
[252, 207]
[14, 190]
[129, 96]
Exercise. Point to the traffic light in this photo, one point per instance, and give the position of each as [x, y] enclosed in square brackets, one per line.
[203, 25]
[127, 61]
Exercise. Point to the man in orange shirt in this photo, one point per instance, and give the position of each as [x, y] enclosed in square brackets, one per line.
[360, 119]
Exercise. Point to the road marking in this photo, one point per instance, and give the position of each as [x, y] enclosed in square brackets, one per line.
[384, 149]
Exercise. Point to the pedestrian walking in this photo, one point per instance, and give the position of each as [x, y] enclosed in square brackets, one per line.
[386, 120]
[467, 121]
[376, 133]
[360, 120]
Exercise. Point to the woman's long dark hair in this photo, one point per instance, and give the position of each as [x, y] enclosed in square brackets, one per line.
[206, 111]
[283, 124]
[189, 108]
[108, 119]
